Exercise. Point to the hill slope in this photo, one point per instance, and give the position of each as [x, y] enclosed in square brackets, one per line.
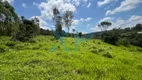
[44, 58]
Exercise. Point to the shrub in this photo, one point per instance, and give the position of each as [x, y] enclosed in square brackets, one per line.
[3, 48]
[20, 46]
[99, 43]
[28, 29]
[137, 41]
[139, 49]
[101, 50]
[80, 34]
[94, 51]
[33, 41]
[36, 47]
[10, 44]
[124, 42]
[108, 55]
[111, 37]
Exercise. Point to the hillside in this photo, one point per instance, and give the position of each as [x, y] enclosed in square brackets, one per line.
[82, 59]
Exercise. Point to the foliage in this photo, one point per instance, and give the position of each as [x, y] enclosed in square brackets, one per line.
[80, 34]
[108, 55]
[67, 18]
[126, 37]
[124, 41]
[111, 37]
[28, 29]
[45, 32]
[58, 22]
[104, 25]
[137, 40]
[3, 48]
[9, 21]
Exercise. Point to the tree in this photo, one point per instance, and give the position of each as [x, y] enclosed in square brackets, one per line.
[80, 34]
[9, 21]
[58, 22]
[73, 30]
[104, 25]
[138, 27]
[28, 29]
[111, 36]
[67, 18]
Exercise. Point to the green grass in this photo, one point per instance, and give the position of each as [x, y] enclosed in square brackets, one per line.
[44, 58]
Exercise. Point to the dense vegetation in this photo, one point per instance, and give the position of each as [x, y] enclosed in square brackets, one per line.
[127, 36]
[9, 21]
[30, 53]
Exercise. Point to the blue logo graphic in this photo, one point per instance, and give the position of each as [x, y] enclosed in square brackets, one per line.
[76, 43]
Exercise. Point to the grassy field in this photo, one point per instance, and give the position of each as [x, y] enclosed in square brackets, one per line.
[44, 58]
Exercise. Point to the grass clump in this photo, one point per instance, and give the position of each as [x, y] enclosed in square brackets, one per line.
[95, 51]
[10, 44]
[3, 48]
[108, 55]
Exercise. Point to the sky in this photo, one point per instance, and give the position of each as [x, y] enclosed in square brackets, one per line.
[87, 13]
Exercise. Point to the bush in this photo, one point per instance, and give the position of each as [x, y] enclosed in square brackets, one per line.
[10, 44]
[3, 48]
[139, 49]
[137, 41]
[101, 50]
[108, 55]
[111, 37]
[124, 42]
[20, 46]
[94, 51]
[28, 29]
[80, 34]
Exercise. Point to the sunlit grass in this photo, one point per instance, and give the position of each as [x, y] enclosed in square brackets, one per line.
[45, 58]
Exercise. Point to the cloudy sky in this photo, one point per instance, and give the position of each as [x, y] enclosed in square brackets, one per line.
[87, 13]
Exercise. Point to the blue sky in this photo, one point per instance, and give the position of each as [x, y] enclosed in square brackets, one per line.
[87, 13]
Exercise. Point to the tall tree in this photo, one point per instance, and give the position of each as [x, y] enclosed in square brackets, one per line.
[67, 18]
[73, 30]
[104, 25]
[57, 22]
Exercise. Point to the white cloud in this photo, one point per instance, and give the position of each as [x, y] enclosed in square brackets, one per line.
[101, 3]
[125, 6]
[24, 5]
[62, 5]
[88, 19]
[35, 4]
[46, 9]
[76, 21]
[108, 19]
[120, 23]
[88, 25]
[43, 23]
[132, 21]
[88, 5]
[10, 1]
[77, 3]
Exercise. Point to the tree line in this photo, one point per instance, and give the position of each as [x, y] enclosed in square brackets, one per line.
[127, 36]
